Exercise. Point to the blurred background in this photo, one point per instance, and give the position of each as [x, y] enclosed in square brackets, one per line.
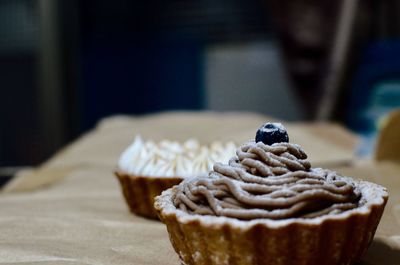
[65, 64]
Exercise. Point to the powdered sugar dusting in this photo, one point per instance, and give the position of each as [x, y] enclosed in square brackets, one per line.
[276, 125]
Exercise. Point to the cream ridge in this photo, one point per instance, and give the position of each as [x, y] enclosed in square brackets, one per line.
[173, 159]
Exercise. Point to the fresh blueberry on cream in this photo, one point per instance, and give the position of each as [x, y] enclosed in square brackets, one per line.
[271, 133]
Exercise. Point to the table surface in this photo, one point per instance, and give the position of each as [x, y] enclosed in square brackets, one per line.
[71, 211]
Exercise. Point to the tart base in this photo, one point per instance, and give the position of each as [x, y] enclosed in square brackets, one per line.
[340, 239]
[139, 191]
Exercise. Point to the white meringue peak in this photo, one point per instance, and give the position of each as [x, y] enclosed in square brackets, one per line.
[173, 159]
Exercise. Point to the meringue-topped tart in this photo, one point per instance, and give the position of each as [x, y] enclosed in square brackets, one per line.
[146, 168]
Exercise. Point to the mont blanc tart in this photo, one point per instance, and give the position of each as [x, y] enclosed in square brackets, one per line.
[146, 168]
[268, 205]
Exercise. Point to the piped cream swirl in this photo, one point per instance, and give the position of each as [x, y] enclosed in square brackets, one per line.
[173, 159]
[263, 181]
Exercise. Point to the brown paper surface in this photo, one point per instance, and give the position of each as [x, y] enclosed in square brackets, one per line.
[82, 218]
[103, 145]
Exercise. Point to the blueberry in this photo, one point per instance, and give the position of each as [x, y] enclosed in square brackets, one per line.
[271, 133]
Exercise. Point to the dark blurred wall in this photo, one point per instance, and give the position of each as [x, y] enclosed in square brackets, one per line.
[130, 65]
[151, 54]
[66, 64]
[19, 132]
[19, 123]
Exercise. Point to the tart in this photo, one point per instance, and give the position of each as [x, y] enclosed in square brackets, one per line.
[267, 205]
[146, 168]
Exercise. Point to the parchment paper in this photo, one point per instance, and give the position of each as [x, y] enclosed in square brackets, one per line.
[71, 211]
[103, 145]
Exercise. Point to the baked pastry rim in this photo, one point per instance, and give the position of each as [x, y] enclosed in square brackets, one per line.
[377, 198]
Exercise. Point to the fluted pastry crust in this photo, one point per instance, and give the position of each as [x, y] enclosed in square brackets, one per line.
[139, 191]
[339, 239]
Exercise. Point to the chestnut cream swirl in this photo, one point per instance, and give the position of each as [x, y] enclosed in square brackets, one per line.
[267, 181]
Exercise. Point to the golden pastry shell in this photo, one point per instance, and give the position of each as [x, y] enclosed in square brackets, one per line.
[330, 239]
